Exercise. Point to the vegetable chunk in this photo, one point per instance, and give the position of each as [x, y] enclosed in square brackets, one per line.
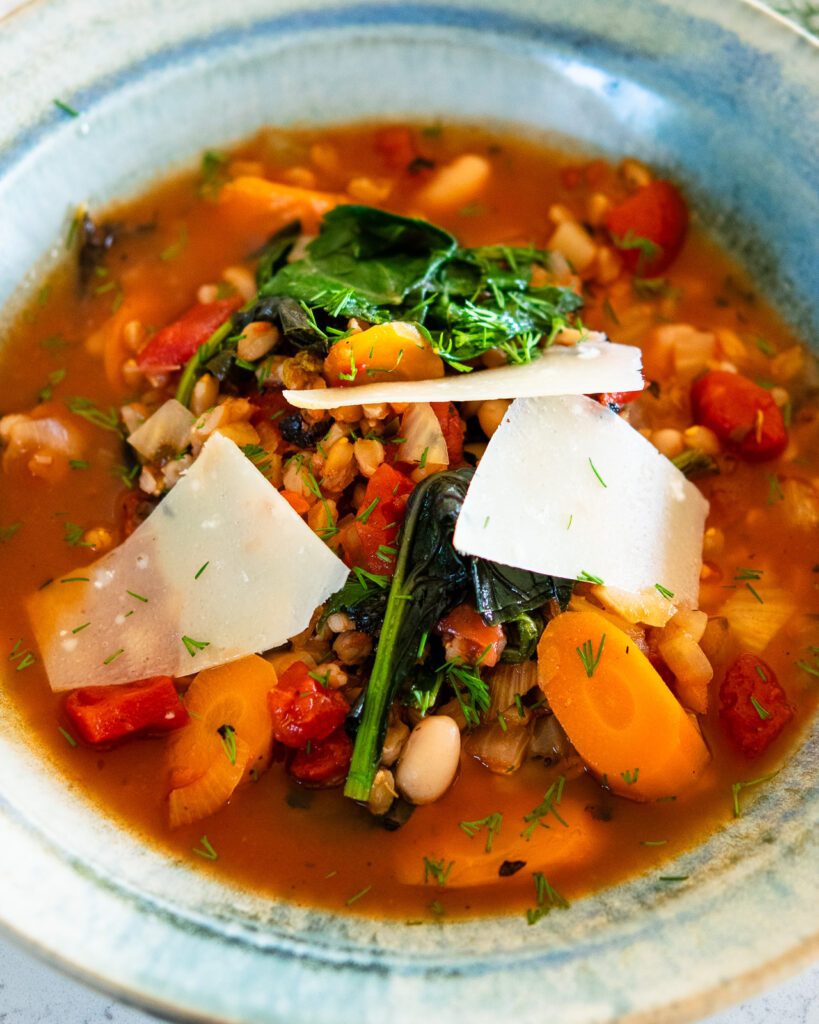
[229, 736]
[753, 706]
[615, 708]
[103, 714]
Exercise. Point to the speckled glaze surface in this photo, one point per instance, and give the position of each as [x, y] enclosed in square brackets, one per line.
[724, 95]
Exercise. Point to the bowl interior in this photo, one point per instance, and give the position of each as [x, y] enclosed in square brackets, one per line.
[726, 100]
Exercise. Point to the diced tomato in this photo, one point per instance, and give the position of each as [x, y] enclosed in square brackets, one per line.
[753, 706]
[323, 764]
[453, 428]
[617, 399]
[743, 415]
[173, 346]
[649, 228]
[102, 714]
[468, 637]
[296, 501]
[303, 709]
[396, 147]
[369, 542]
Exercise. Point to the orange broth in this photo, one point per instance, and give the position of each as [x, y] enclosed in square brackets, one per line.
[313, 846]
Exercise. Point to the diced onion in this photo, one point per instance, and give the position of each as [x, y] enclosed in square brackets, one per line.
[501, 749]
[167, 431]
[508, 682]
[423, 438]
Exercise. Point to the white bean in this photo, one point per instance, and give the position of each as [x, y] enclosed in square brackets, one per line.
[430, 760]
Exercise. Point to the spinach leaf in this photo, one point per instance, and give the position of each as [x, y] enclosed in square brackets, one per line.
[273, 255]
[502, 592]
[362, 260]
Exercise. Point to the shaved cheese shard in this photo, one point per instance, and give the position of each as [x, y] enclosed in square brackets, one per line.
[222, 568]
[591, 367]
[567, 488]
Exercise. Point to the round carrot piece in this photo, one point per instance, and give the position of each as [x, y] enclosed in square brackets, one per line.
[615, 708]
[230, 734]
[393, 351]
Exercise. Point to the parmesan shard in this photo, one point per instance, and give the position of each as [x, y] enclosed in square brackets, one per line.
[223, 568]
[593, 366]
[567, 488]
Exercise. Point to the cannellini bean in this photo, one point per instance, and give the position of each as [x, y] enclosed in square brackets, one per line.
[340, 622]
[430, 760]
[668, 441]
[456, 183]
[575, 243]
[353, 647]
[339, 469]
[242, 280]
[205, 393]
[491, 413]
[257, 340]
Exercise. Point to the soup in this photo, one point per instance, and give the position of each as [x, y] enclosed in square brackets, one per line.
[496, 757]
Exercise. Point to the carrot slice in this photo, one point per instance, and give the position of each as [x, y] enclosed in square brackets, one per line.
[257, 207]
[229, 736]
[621, 717]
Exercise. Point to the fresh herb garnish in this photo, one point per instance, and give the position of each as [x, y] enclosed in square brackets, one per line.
[738, 787]
[762, 712]
[693, 463]
[588, 657]
[7, 532]
[551, 801]
[596, 473]
[630, 777]
[175, 249]
[46, 393]
[85, 408]
[228, 734]
[492, 824]
[66, 735]
[205, 849]
[192, 646]
[357, 896]
[78, 463]
[73, 536]
[664, 591]
[437, 870]
[137, 597]
[201, 569]
[587, 577]
[66, 108]
[546, 899]
[113, 657]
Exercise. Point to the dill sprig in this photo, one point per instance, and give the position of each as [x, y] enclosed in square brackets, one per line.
[492, 824]
[588, 657]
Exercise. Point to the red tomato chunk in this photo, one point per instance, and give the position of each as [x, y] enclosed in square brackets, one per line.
[323, 764]
[467, 637]
[102, 714]
[743, 415]
[369, 542]
[303, 709]
[649, 227]
[753, 707]
[453, 429]
[173, 346]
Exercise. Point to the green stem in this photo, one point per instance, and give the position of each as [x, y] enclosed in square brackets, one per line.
[380, 688]
[206, 351]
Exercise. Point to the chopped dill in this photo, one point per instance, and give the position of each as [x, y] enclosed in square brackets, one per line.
[192, 646]
[492, 824]
[437, 870]
[588, 657]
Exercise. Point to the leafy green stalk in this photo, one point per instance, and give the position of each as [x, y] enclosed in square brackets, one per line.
[430, 577]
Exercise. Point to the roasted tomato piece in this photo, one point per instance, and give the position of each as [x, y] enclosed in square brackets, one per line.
[742, 414]
[467, 637]
[173, 346]
[648, 228]
[103, 714]
[453, 429]
[323, 764]
[369, 542]
[303, 710]
[615, 400]
[396, 147]
[753, 706]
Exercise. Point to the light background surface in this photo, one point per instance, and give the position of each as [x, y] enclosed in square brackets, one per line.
[33, 993]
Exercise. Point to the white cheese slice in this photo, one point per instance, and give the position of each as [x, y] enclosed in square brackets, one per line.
[568, 488]
[223, 561]
[588, 368]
